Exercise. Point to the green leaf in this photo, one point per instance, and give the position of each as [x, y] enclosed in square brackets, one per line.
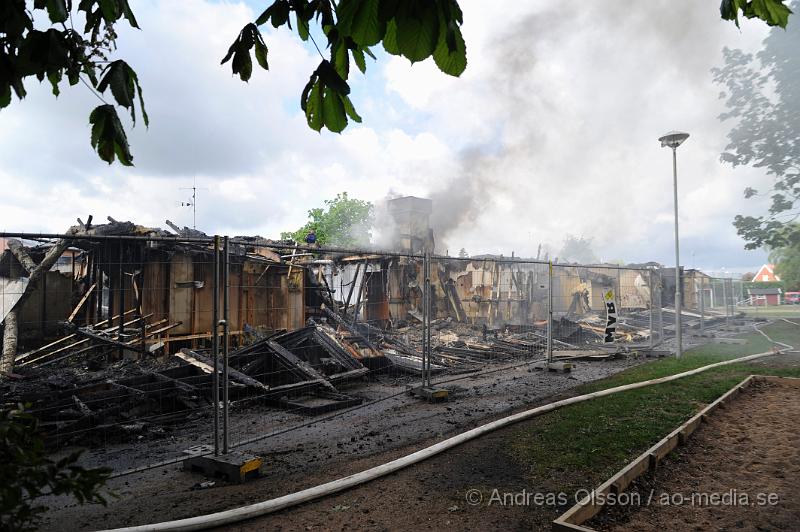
[116, 78]
[341, 59]
[358, 57]
[108, 136]
[242, 64]
[350, 110]
[390, 39]
[261, 54]
[773, 12]
[333, 111]
[729, 10]
[109, 9]
[126, 11]
[306, 91]
[124, 84]
[54, 77]
[5, 94]
[240, 52]
[388, 9]
[302, 28]
[452, 61]
[280, 13]
[359, 20]
[417, 30]
[331, 78]
[57, 11]
[265, 15]
[313, 108]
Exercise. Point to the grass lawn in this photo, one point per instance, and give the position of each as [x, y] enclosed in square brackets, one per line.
[783, 311]
[592, 440]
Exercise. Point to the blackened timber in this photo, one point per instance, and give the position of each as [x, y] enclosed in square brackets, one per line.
[183, 386]
[452, 296]
[330, 294]
[352, 330]
[100, 338]
[352, 286]
[296, 365]
[345, 352]
[207, 365]
[361, 289]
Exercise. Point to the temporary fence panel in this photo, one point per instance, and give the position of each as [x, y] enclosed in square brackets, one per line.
[206, 345]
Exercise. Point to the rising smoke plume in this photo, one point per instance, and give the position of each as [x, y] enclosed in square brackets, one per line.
[561, 134]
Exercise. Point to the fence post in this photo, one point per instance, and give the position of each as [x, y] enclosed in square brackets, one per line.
[426, 287]
[741, 290]
[733, 297]
[702, 305]
[428, 306]
[121, 302]
[549, 312]
[225, 343]
[725, 300]
[651, 288]
[215, 344]
[660, 303]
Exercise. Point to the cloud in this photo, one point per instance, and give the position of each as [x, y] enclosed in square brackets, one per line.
[550, 131]
[560, 119]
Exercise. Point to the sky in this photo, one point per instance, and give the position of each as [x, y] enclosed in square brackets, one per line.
[551, 131]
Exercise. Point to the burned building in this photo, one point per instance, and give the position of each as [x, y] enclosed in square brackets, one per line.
[137, 311]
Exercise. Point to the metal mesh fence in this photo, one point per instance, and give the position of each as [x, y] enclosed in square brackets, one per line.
[152, 348]
[99, 339]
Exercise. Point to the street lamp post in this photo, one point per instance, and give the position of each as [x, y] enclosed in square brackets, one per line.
[673, 139]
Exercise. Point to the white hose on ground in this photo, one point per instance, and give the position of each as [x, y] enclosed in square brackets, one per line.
[250, 511]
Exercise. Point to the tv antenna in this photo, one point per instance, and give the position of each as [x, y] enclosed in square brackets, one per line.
[193, 202]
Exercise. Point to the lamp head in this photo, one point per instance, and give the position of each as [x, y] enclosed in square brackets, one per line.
[673, 139]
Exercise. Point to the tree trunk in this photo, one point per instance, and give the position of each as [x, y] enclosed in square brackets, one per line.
[10, 331]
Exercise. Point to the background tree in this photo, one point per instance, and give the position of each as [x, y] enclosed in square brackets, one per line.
[26, 474]
[344, 222]
[787, 266]
[462, 253]
[577, 249]
[787, 262]
[50, 47]
[763, 97]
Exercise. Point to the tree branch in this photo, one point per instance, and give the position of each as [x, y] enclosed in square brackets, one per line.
[18, 250]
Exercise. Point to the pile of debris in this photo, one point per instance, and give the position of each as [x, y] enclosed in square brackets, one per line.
[460, 347]
[294, 339]
[131, 338]
[298, 370]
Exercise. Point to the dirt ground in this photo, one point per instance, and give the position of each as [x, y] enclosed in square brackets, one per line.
[739, 471]
[315, 453]
[430, 495]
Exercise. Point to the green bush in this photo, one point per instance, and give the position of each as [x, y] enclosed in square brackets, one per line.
[27, 474]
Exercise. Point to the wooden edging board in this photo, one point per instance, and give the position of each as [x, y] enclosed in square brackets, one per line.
[589, 506]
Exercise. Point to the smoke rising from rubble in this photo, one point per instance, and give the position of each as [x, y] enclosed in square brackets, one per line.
[385, 233]
[457, 205]
[562, 128]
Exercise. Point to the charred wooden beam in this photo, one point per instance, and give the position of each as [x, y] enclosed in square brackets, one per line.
[296, 365]
[207, 365]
